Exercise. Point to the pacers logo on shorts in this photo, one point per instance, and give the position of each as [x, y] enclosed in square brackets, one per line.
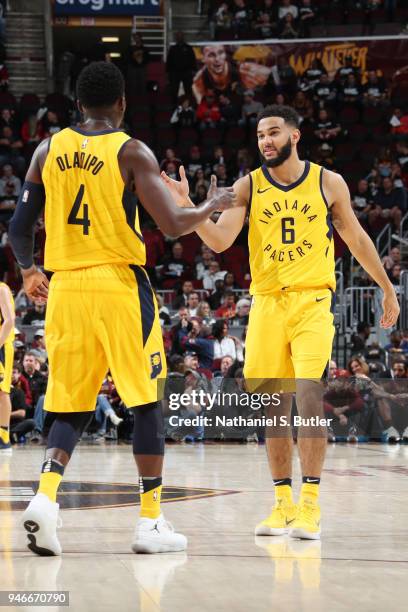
[156, 363]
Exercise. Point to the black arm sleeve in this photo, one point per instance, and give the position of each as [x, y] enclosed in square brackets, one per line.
[21, 228]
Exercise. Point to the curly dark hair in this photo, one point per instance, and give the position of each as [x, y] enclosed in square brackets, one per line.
[100, 85]
[288, 114]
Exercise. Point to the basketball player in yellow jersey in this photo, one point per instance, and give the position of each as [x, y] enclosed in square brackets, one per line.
[291, 206]
[6, 364]
[101, 311]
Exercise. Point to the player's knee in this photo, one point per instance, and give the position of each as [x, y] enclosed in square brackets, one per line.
[148, 429]
[67, 429]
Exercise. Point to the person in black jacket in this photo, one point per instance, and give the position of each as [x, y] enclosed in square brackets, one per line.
[181, 63]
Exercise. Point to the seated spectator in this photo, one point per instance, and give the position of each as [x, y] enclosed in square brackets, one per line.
[325, 92]
[223, 17]
[216, 297]
[20, 425]
[182, 298]
[200, 195]
[374, 91]
[288, 28]
[208, 111]
[394, 257]
[250, 110]
[227, 308]
[307, 16]
[170, 158]
[326, 129]
[243, 306]
[35, 316]
[287, 78]
[38, 348]
[174, 265]
[325, 156]
[192, 305]
[194, 162]
[164, 314]
[51, 124]
[287, 7]
[400, 370]
[362, 201]
[223, 179]
[394, 346]
[11, 150]
[204, 313]
[225, 344]
[344, 71]
[390, 204]
[264, 26]
[212, 275]
[399, 122]
[184, 115]
[311, 76]
[220, 375]
[359, 340]
[199, 179]
[229, 281]
[344, 404]
[240, 17]
[19, 381]
[302, 105]
[10, 184]
[395, 274]
[37, 381]
[350, 91]
[230, 112]
[203, 261]
[8, 119]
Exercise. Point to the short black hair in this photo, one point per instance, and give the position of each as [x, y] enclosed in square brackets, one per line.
[288, 114]
[100, 85]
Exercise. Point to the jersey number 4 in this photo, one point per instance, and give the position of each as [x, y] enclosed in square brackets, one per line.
[73, 218]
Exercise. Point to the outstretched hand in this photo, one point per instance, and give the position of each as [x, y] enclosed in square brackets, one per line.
[178, 189]
[222, 197]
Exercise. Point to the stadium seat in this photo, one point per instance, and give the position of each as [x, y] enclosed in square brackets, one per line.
[358, 133]
[349, 115]
[345, 151]
[372, 115]
[7, 100]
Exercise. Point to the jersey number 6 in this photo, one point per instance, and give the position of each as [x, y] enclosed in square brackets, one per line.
[73, 218]
[288, 233]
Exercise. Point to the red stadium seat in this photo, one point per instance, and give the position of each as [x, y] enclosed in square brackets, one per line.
[358, 133]
[349, 115]
[372, 115]
[7, 100]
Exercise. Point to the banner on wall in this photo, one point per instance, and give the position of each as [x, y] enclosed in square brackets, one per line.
[100, 8]
[226, 67]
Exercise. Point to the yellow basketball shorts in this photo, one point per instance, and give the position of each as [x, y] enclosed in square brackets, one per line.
[98, 319]
[290, 335]
[6, 366]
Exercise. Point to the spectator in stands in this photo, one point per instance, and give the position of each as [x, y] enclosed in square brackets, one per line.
[342, 403]
[213, 274]
[199, 179]
[350, 91]
[184, 115]
[208, 111]
[170, 158]
[311, 76]
[307, 16]
[222, 19]
[228, 308]
[204, 313]
[250, 110]
[394, 257]
[20, 426]
[200, 195]
[180, 66]
[325, 92]
[230, 112]
[203, 261]
[229, 281]
[264, 26]
[4, 76]
[344, 71]
[51, 124]
[37, 381]
[225, 344]
[220, 376]
[362, 201]
[326, 129]
[240, 18]
[399, 123]
[11, 147]
[192, 303]
[288, 27]
[19, 381]
[182, 298]
[174, 265]
[302, 104]
[287, 78]
[139, 57]
[359, 340]
[164, 314]
[35, 316]
[400, 369]
[197, 340]
[395, 274]
[10, 185]
[374, 91]
[243, 307]
[404, 341]
[390, 204]
[288, 8]
[394, 346]
[195, 161]
[8, 119]
[38, 348]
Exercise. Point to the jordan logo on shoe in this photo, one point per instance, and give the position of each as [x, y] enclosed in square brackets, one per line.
[155, 528]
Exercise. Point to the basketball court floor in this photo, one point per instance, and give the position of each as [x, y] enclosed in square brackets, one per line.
[215, 494]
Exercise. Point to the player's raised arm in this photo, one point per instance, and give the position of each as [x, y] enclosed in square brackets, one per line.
[219, 235]
[359, 243]
[139, 160]
[21, 228]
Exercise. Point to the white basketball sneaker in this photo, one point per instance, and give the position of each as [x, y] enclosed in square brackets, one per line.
[40, 520]
[157, 536]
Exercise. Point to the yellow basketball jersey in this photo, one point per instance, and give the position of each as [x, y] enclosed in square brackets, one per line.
[90, 218]
[11, 335]
[290, 233]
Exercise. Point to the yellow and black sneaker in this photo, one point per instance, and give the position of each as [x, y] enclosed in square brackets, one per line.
[280, 520]
[306, 526]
